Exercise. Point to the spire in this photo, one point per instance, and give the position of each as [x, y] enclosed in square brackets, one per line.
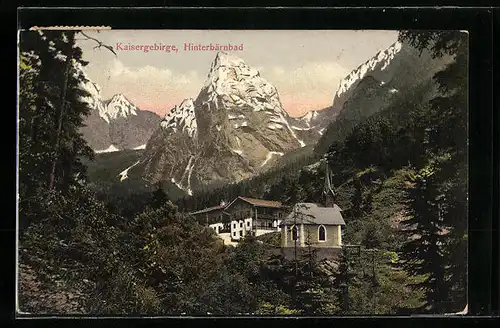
[328, 189]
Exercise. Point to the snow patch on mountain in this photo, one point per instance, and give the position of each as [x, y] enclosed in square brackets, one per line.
[274, 126]
[182, 117]
[238, 151]
[124, 174]
[301, 129]
[269, 156]
[177, 184]
[140, 147]
[236, 125]
[238, 141]
[189, 171]
[110, 149]
[234, 117]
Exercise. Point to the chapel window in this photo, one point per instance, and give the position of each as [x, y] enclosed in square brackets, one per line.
[295, 233]
[321, 233]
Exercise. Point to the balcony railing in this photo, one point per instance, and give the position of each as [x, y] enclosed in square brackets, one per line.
[263, 226]
[273, 216]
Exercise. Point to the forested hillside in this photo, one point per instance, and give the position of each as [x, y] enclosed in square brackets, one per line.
[399, 174]
[400, 177]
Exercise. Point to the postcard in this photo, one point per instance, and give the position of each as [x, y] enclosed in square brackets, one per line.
[185, 173]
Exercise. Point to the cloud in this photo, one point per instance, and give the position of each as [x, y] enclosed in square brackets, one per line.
[152, 75]
[310, 86]
[313, 76]
[158, 88]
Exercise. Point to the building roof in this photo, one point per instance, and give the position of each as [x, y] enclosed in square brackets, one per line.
[258, 202]
[209, 209]
[252, 201]
[310, 213]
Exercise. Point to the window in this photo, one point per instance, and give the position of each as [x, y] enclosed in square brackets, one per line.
[241, 224]
[295, 233]
[280, 215]
[248, 223]
[234, 234]
[321, 233]
[241, 233]
[270, 225]
[234, 225]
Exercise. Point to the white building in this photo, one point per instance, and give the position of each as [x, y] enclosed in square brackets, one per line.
[240, 228]
[217, 227]
[243, 216]
[256, 216]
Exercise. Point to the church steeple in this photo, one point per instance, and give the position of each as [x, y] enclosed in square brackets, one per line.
[328, 192]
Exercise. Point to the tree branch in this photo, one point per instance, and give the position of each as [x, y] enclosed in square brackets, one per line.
[99, 43]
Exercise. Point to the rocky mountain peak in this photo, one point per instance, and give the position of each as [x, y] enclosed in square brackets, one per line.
[379, 62]
[119, 105]
[235, 128]
[223, 58]
[231, 81]
[181, 118]
[115, 123]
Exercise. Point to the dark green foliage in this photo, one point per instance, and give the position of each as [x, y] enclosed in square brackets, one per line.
[313, 287]
[273, 238]
[50, 114]
[74, 240]
[443, 179]
[368, 283]
[130, 196]
[399, 174]
[159, 197]
[344, 279]
[423, 252]
[107, 166]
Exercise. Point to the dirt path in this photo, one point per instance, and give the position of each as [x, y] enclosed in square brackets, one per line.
[51, 297]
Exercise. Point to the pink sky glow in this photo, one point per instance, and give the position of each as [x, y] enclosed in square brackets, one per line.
[305, 66]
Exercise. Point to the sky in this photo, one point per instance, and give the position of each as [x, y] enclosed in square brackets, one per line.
[305, 66]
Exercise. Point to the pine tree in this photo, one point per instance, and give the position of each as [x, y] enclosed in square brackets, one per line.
[423, 253]
[357, 200]
[447, 137]
[343, 279]
[159, 197]
[313, 290]
[51, 113]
